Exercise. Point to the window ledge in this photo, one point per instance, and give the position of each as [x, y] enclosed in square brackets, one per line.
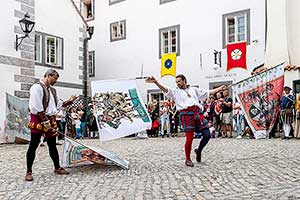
[50, 66]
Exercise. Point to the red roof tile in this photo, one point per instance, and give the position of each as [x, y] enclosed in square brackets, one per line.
[290, 68]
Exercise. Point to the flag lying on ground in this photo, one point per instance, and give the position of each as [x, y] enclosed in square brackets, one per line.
[75, 153]
[168, 64]
[119, 109]
[236, 55]
[259, 97]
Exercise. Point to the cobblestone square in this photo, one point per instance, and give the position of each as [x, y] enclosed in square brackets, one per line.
[231, 169]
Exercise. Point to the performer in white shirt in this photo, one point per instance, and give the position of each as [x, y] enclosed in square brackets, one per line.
[191, 115]
[43, 106]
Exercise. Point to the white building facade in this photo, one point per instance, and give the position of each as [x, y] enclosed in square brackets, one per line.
[131, 35]
[283, 41]
[56, 42]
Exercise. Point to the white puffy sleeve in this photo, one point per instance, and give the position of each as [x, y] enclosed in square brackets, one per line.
[170, 93]
[36, 99]
[202, 94]
[59, 104]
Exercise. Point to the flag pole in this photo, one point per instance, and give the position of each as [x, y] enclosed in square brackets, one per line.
[259, 73]
[142, 77]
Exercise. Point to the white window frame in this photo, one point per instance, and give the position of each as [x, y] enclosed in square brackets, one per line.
[40, 48]
[165, 1]
[236, 27]
[84, 10]
[162, 45]
[91, 64]
[117, 26]
[235, 16]
[115, 1]
[58, 52]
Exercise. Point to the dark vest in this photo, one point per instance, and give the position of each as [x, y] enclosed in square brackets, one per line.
[46, 95]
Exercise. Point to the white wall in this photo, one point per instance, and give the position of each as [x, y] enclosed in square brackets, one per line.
[7, 86]
[53, 17]
[60, 18]
[8, 22]
[7, 48]
[293, 22]
[200, 32]
[65, 93]
[283, 41]
[277, 46]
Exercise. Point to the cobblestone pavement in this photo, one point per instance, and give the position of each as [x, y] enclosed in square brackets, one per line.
[231, 169]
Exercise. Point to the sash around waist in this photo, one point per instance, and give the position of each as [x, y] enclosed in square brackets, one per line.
[191, 108]
[36, 126]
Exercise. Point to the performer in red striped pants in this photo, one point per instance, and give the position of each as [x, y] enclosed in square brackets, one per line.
[193, 119]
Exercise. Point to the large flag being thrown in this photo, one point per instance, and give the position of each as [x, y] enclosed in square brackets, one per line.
[119, 109]
[259, 97]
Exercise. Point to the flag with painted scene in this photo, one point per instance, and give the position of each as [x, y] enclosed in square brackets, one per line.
[259, 97]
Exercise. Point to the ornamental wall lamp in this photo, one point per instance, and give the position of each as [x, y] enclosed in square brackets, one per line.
[26, 26]
[217, 60]
[90, 31]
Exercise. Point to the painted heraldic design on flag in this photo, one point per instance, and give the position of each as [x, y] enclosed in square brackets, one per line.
[76, 153]
[236, 55]
[259, 97]
[119, 109]
[168, 64]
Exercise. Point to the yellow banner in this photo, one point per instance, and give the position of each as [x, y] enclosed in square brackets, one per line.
[168, 64]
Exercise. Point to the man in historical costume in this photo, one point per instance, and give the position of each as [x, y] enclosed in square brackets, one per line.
[191, 113]
[286, 111]
[43, 106]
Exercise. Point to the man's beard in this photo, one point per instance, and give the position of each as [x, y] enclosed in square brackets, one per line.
[181, 87]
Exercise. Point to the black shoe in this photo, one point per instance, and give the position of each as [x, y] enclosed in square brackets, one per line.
[198, 155]
[29, 176]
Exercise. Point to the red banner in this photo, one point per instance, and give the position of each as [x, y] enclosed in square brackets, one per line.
[236, 56]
